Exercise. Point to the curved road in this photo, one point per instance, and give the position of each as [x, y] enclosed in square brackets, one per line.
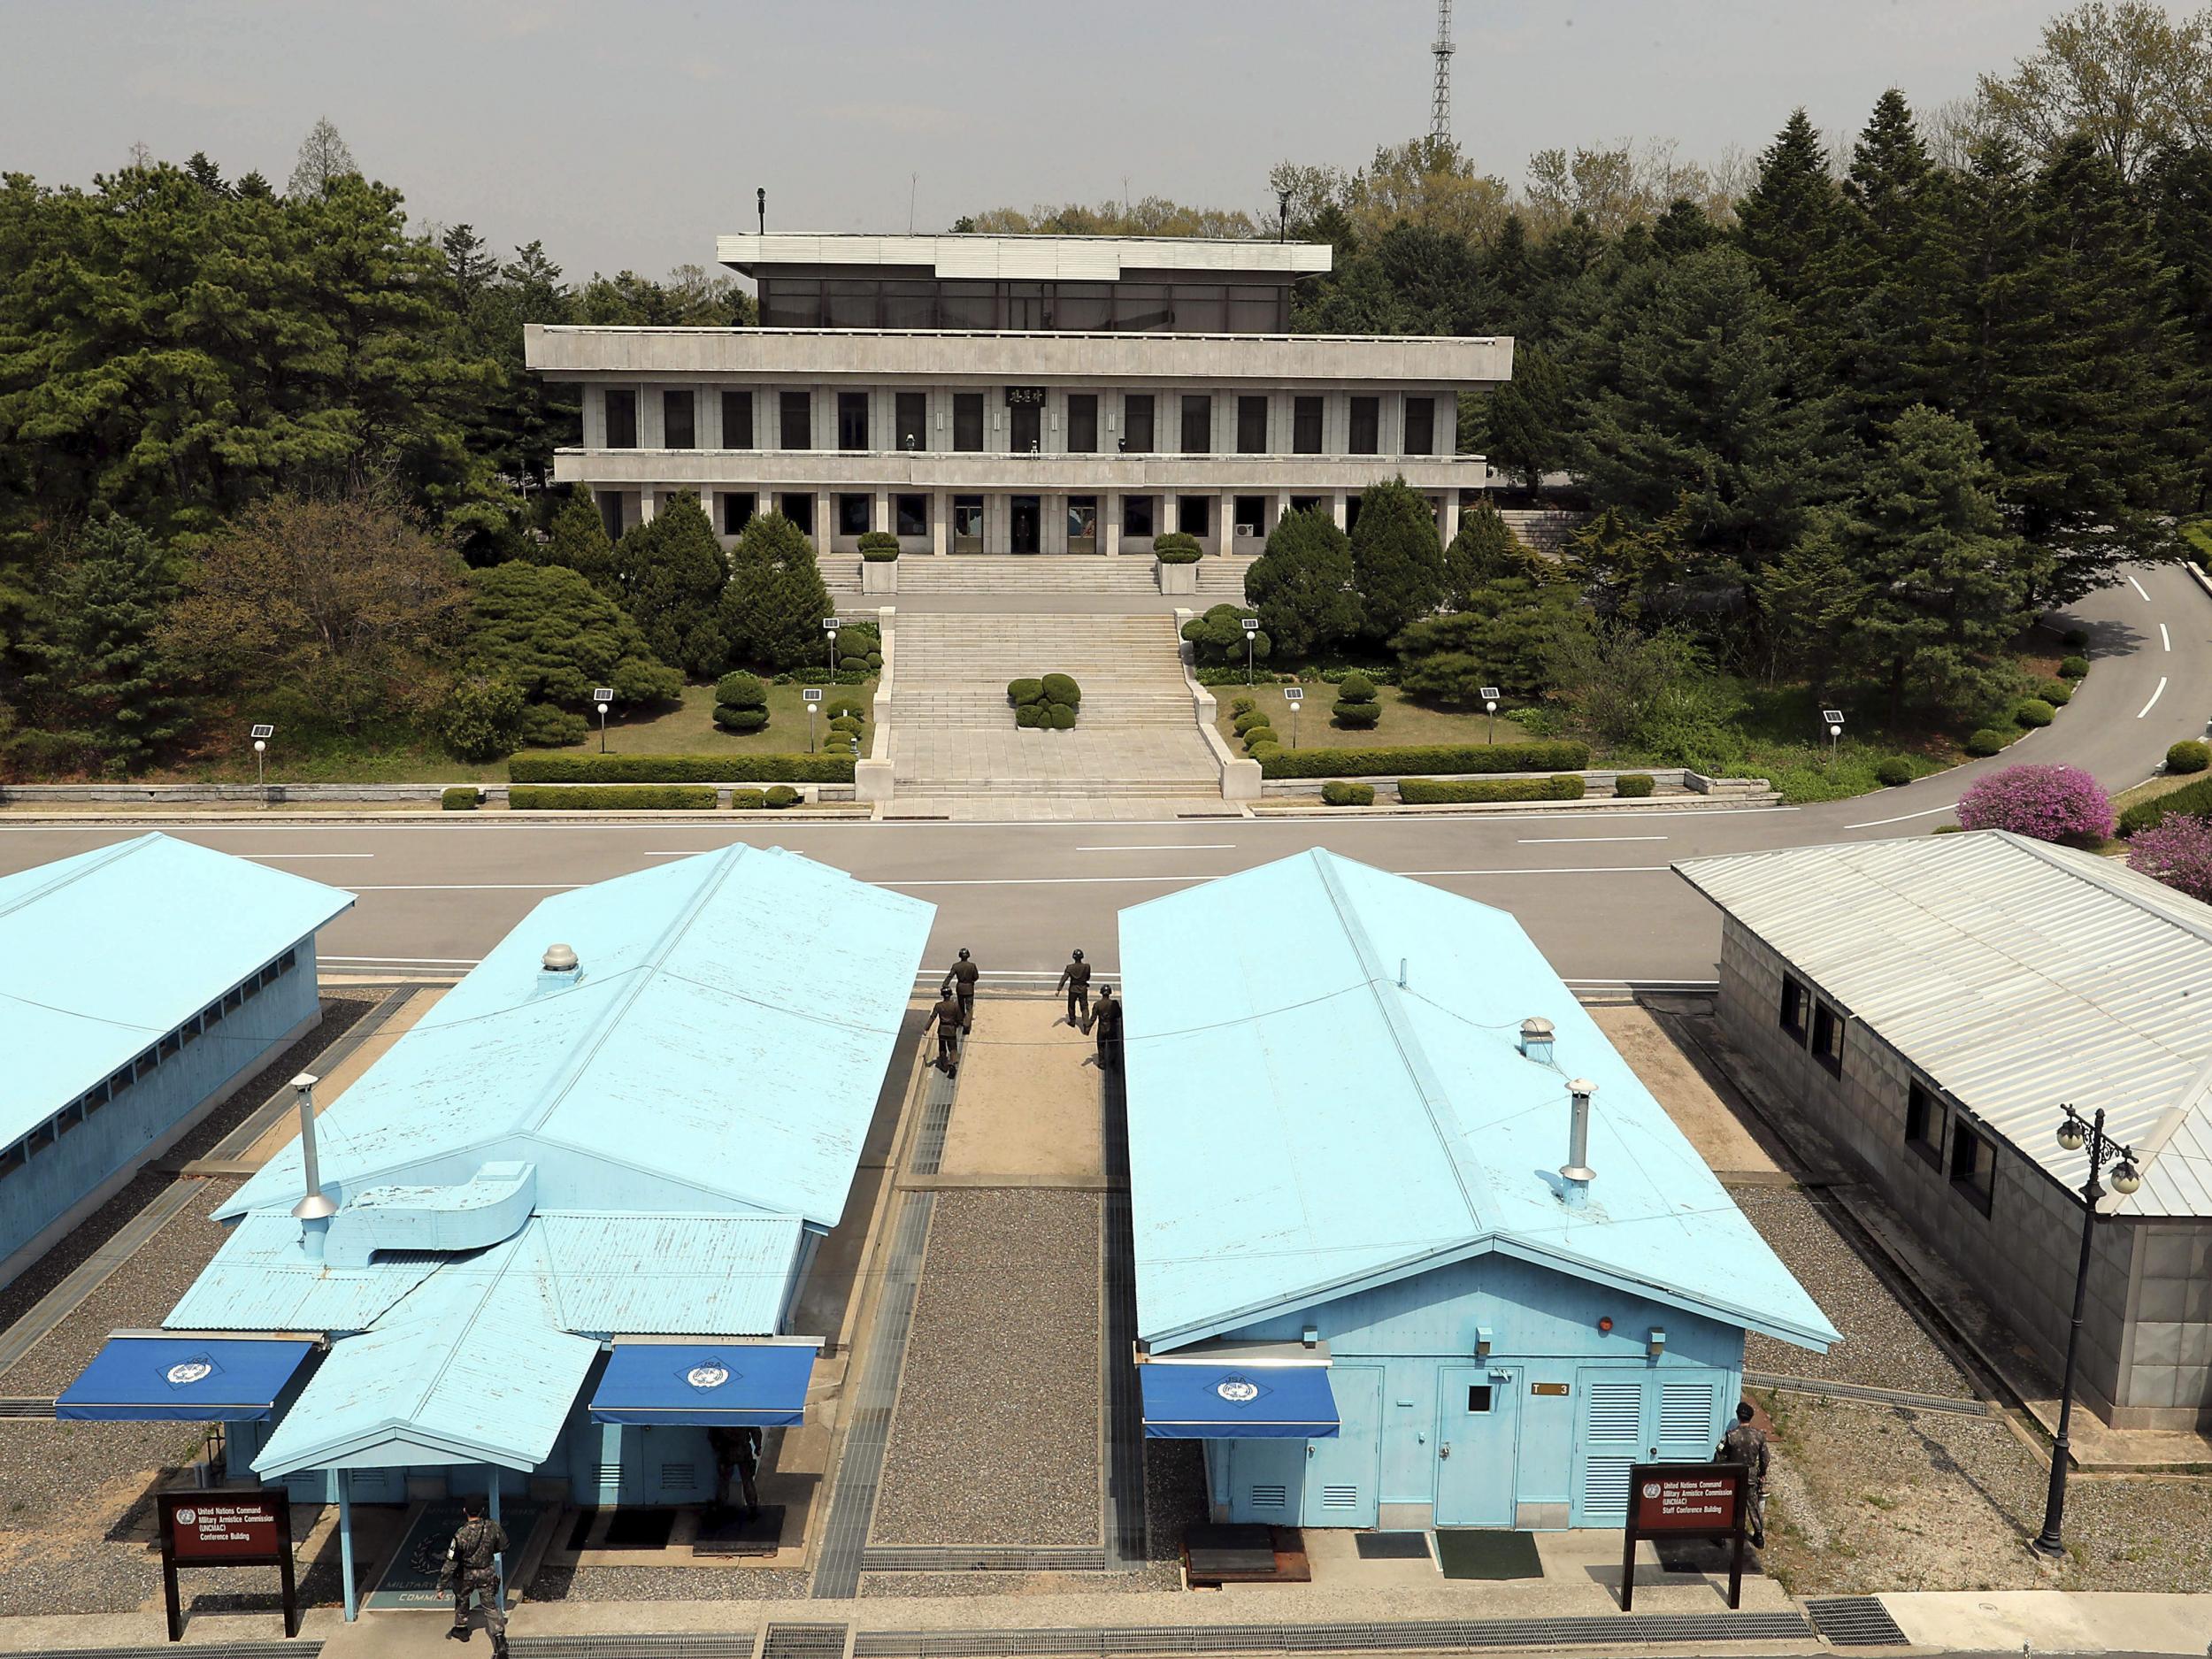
[1594, 889]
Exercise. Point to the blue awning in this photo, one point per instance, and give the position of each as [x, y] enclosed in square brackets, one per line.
[1214, 1403]
[738, 1385]
[184, 1378]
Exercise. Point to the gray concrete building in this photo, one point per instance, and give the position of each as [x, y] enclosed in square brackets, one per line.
[1930, 1003]
[1017, 395]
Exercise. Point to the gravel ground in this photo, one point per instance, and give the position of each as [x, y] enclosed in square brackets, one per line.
[1174, 1497]
[996, 1436]
[669, 1584]
[981, 1585]
[1883, 1344]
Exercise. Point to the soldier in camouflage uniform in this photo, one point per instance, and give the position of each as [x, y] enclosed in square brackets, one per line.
[1745, 1443]
[470, 1569]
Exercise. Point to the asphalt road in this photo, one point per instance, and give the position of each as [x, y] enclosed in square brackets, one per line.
[1594, 889]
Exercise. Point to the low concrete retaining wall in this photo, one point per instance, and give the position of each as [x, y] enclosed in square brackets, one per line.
[90, 794]
[1664, 778]
[1241, 779]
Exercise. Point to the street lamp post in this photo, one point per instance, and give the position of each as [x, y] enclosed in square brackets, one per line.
[604, 695]
[1833, 719]
[2074, 1134]
[261, 733]
[1251, 632]
[1295, 696]
[829, 629]
[1490, 707]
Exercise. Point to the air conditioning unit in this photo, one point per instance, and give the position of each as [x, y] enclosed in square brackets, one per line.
[1246, 529]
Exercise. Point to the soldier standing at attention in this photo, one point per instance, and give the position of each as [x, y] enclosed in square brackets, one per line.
[470, 1568]
[1107, 1017]
[1075, 980]
[947, 1018]
[736, 1452]
[1745, 1443]
[961, 981]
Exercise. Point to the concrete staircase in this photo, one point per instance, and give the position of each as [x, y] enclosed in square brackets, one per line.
[1220, 579]
[953, 736]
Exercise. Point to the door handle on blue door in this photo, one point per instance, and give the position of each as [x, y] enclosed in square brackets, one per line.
[1444, 1449]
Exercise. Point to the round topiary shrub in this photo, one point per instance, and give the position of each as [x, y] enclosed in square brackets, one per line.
[1356, 716]
[1637, 784]
[1029, 716]
[781, 796]
[1061, 689]
[1175, 547]
[2034, 711]
[747, 800]
[740, 720]
[847, 726]
[1892, 771]
[1242, 705]
[1060, 717]
[845, 705]
[1355, 688]
[2074, 668]
[544, 726]
[1988, 740]
[2076, 639]
[463, 799]
[1336, 792]
[1246, 719]
[1257, 735]
[2057, 693]
[2190, 755]
[1024, 691]
[2046, 803]
[741, 690]
[878, 547]
[1265, 752]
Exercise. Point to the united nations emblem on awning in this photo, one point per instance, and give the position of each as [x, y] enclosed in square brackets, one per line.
[1238, 1391]
[184, 1373]
[713, 1374]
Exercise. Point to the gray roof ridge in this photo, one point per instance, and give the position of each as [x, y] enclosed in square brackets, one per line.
[100, 858]
[2089, 868]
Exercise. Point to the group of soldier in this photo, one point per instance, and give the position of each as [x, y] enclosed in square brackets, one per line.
[954, 1016]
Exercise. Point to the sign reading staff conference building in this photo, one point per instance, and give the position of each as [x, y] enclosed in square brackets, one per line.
[226, 1529]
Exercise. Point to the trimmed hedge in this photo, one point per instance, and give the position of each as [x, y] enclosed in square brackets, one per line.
[878, 547]
[461, 799]
[2073, 668]
[1892, 772]
[1336, 792]
[845, 703]
[1242, 705]
[1255, 736]
[740, 720]
[1248, 718]
[651, 798]
[741, 690]
[1059, 716]
[782, 795]
[747, 800]
[2190, 755]
[1029, 716]
[1061, 689]
[2194, 799]
[1988, 740]
[1354, 688]
[1437, 792]
[680, 769]
[2032, 711]
[1636, 784]
[1024, 691]
[2057, 693]
[1415, 760]
[1356, 716]
[1175, 547]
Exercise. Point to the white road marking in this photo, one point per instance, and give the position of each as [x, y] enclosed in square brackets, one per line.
[688, 852]
[1167, 847]
[1081, 881]
[2156, 695]
[1576, 840]
[477, 886]
[2165, 640]
[263, 858]
[2139, 589]
[1562, 870]
[1876, 823]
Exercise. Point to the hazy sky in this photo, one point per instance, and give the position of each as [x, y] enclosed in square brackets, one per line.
[628, 135]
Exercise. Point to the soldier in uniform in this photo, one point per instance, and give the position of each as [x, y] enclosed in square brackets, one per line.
[961, 981]
[947, 1018]
[736, 1451]
[470, 1569]
[1075, 980]
[1745, 1443]
[1107, 1017]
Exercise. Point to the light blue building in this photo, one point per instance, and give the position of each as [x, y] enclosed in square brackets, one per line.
[569, 1213]
[1375, 1274]
[140, 985]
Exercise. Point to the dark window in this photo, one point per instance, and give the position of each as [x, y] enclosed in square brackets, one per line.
[967, 305]
[1082, 524]
[1420, 426]
[1793, 999]
[912, 419]
[1024, 305]
[798, 506]
[737, 507]
[143, 1065]
[1082, 423]
[12, 1159]
[611, 513]
[912, 514]
[1478, 1397]
[1202, 308]
[1251, 425]
[1305, 426]
[1136, 423]
[287, 962]
[848, 304]
[1251, 516]
[967, 421]
[909, 304]
[678, 427]
[1194, 515]
[1027, 435]
[790, 302]
[1086, 306]
[796, 419]
[1828, 1037]
[852, 420]
[1136, 515]
[1198, 423]
[234, 998]
[171, 1045]
[737, 420]
[119, 1081]
[1256, 308]
[967, 524]
[1973, 1166]
[1141, 305]
[852, 515]
[621, 420]
[1366, 425]
[1924, 1124]
[1309, 503]
[190, 1030]
[1351, 513]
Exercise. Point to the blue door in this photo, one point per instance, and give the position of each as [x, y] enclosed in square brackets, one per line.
[1630, 1417]
[1478, 1444]
[1344, 1474]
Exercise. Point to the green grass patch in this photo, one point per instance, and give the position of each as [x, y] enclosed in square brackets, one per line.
[1403, 721]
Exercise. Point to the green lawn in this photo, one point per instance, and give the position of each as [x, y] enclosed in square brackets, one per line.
[1402, 721]
[689, 727]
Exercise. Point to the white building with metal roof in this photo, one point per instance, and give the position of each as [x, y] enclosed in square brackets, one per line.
[1928, 1004]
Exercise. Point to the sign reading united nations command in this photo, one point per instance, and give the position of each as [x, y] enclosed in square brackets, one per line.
[1683, 1501]
[245, 1527]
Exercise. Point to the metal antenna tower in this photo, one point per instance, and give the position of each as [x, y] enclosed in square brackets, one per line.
[1440, 99]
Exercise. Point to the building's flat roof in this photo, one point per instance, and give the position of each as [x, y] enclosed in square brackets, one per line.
[2015, 975]
[104, 954]
[1044, 258]
[1303, 1124]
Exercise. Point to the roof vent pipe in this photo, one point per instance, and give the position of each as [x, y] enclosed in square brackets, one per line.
[760, 199]
[1401, 973]
[1536, 1038]
[559, 959]
[1576, 1172]
[312, 1212]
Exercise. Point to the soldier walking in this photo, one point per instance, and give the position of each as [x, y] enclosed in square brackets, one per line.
[947, 1018]
[1745, 1443]
[961, 981]
[1075, 980]
[1107, 1017]
[472, 1569]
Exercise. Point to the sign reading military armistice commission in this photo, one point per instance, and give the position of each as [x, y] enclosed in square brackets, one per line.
[243, 1528]
[1683, 1501]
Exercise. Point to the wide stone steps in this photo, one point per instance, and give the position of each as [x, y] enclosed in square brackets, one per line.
[982, 707]
[1219, 577]
[1110, 788]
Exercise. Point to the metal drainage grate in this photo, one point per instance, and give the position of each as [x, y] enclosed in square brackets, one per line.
[1871, 1395]
[1855, 1621]
[706, 1645]
[1124, 1521]
[929, 1135]
[1092, 1642]
[981, 1558]
[298, 1648]
[803, 1642]
[25, 1406]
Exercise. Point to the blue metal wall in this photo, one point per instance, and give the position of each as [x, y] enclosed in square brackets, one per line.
[1402, 1361]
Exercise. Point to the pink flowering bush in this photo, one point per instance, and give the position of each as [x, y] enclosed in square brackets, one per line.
[2177, 851]
[2047, 803]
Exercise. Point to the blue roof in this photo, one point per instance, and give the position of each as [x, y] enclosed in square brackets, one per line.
[104, 954]
[752, 1385]
[182, 1380]
[1302, 1125]
[1218, 1402]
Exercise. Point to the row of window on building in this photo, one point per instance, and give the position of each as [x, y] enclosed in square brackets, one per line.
[101, 1093]
[1025, 435]
[1963, 1155]
[921, 303]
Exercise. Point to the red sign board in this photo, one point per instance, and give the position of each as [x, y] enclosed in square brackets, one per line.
[1695, 1500]
[230, 1528]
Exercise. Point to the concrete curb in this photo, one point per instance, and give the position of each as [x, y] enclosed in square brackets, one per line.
[848, 814]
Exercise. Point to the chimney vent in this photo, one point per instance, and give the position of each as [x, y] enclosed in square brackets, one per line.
[1576, 1172]
[314, 1209]
[559, 959]
[1536, 1038]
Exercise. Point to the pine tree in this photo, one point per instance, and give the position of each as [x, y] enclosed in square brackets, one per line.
[773, 605]
[673, 575]
[579, 541]
[1806, 601]
[1301, 586]
[322, 161]
[1397, 562]
[1788, 221]
[1484, 551]
[470, 264]
[1523, 417]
